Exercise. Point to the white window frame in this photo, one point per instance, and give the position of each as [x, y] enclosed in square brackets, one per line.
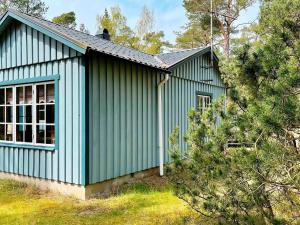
[34, 116]
[204, 106]
[5, 114]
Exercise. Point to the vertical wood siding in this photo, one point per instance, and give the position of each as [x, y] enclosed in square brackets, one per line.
[199, 69]
[27, 53]
[123, 120]
[179, 95]
[123, 112]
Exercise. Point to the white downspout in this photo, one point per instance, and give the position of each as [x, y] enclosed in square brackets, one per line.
[160, 127]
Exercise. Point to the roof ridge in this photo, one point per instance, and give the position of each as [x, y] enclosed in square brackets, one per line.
[86, 41]
[184, 50]
[160, 61]
[57, 24]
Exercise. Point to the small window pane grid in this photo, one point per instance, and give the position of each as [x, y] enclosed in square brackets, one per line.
[203, 102]
[6, 114]
[27, 114]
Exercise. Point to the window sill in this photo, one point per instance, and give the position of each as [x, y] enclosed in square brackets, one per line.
[27, 146]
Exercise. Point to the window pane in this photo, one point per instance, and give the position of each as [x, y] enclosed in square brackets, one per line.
[9, 114]
[40, 94]
[9, 96]
[9, 132]
[20, 95]
[28, 133]
[203, 102]
[50, 135]
[50, 114]
[40, 114]
[40, 134]
[50, 93]
[28, 114]
[2, 96]
[28, 94]
[2, 114]
[20, 114]
[199, 102]
[20, 133]
[2, 132]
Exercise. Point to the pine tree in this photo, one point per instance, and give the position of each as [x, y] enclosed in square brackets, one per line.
[35, 8]
[256, 178]
[66, 19]
[225, 14]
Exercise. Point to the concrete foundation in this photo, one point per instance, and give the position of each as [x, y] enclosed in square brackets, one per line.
[102, 189]
[73, 190]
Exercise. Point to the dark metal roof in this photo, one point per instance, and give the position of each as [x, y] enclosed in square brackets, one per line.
[86, 41]
[173, 58]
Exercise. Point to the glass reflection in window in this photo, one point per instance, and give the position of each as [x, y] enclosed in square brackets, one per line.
[28, 95]
[2, 132]
[50, 93]
[20, 95]
[40, 134]
[2, 96]
[9, 96]
[9, 132]
[40, 89]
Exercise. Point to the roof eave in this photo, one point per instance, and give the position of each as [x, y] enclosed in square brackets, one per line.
[161, 69]
[199, 53]
[5, 19]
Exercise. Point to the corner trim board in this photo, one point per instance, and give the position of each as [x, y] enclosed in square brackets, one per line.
[84, 122]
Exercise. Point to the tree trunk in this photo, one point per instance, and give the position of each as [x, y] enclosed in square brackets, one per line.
[226, 44]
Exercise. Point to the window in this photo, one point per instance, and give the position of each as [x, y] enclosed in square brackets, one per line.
[27, 114]
[6, 114]
[203, 102]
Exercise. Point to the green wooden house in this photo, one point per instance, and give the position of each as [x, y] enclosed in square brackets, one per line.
[78, 111]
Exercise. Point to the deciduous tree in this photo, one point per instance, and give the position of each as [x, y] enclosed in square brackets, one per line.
[116, 23]
[142, 38]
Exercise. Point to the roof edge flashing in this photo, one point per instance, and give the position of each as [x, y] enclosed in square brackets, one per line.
[74, 44]
[198, 53]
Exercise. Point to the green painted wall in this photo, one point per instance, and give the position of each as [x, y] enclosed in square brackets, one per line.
[122, 121]
[122, 126]
[179, 95]
[123, 131]
[27, 53]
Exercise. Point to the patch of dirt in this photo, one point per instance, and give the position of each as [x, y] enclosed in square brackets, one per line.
[90, 210]
[154, 182]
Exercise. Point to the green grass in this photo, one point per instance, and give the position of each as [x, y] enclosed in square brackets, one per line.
[147, 202]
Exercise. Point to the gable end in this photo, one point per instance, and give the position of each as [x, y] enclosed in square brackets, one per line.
[11, 15]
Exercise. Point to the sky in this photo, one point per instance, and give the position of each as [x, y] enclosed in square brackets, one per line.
[170, 14]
